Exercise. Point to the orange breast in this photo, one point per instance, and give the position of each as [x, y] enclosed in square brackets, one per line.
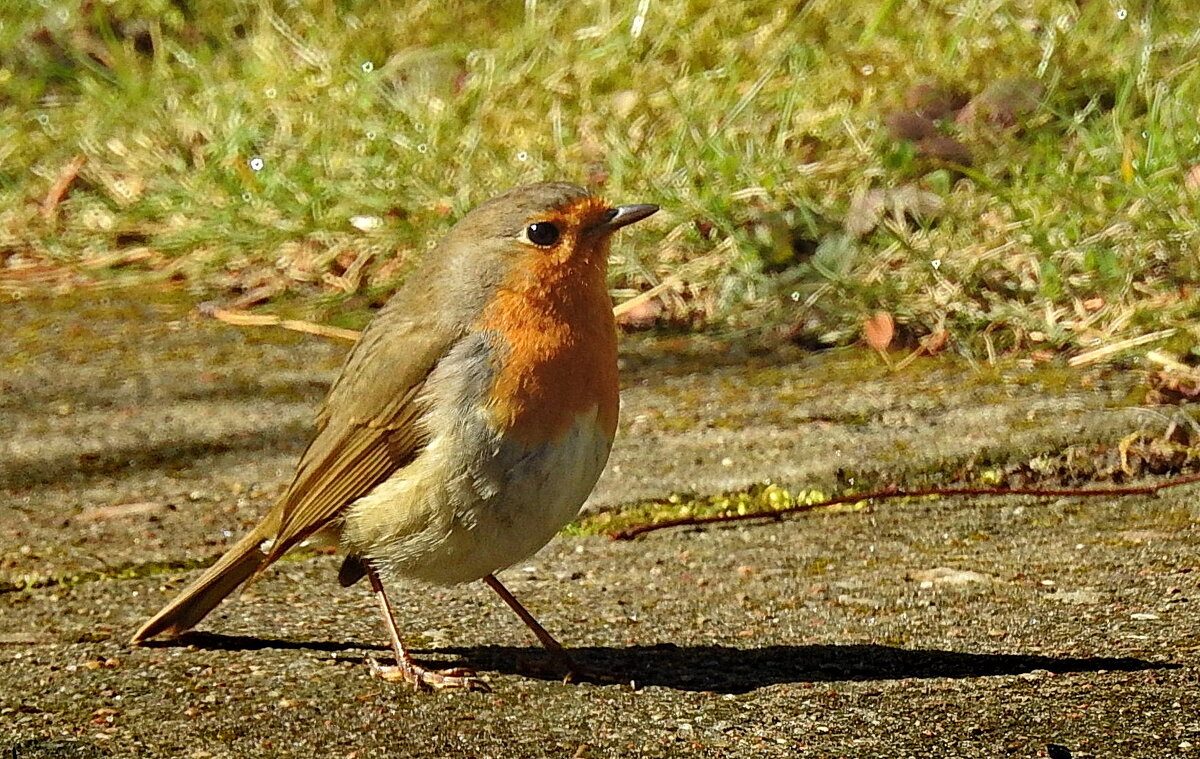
[559, 358]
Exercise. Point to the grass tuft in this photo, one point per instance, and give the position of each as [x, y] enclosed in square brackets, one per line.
[268, 148]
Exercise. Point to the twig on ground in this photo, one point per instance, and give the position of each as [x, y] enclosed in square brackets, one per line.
[245, 319]
[629, 533]
[62, 183]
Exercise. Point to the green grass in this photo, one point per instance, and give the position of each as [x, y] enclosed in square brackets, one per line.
[754, 124]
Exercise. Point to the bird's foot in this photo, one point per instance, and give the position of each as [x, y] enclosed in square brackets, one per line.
[421, 678]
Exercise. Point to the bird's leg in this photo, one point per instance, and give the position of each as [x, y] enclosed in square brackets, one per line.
[561, 658]
[406, 668]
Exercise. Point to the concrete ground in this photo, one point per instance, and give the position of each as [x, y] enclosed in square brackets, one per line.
[138, 441]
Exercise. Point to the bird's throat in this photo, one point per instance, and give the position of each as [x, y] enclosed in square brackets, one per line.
[556, 349]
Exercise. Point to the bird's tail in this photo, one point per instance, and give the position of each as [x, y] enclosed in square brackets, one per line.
[238, 564]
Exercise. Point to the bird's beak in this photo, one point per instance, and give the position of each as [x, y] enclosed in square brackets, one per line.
[623, 216]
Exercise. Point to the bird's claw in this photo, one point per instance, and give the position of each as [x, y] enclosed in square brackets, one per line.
[457, 678]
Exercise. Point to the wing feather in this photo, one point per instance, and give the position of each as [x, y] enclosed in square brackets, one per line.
[370, 425]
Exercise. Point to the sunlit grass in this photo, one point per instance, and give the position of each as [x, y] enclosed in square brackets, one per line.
[755, 125]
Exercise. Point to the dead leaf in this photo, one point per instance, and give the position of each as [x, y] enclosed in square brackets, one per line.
[948, 149]
[256, 295]
[933, 101]
[1174, 385]
[1191, 180]
[930, 345]
[933, 343]
[878, 330]
[1003, 102]
[641, 315]
[906, 125]
[906, 202]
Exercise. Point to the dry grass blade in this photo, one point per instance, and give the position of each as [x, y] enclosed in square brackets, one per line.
[245, 319]
[626, 306]
[1103, 352]
[1170, 363]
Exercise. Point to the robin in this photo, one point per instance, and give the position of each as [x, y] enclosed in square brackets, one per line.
[468, 424]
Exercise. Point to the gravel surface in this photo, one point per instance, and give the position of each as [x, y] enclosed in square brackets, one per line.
[139, 441]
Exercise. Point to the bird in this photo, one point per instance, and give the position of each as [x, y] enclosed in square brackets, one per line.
[468, 424]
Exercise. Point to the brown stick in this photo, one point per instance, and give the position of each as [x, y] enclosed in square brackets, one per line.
[62, 183]
[629, 533]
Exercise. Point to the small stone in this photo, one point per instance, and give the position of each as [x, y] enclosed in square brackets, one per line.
[1033, 674]
[1080, 596]
[624, 101]
[860, 601]
[364, 223]
[947, 576]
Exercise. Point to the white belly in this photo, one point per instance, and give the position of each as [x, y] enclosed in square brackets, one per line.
[449, 518]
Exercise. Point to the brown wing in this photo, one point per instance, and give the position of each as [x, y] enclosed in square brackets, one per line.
[369, 425]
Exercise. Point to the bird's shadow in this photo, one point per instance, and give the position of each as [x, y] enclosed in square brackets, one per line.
[722, 669]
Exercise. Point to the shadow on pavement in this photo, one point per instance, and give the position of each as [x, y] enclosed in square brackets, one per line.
[168, 455]
[218, 642]
[723, 669]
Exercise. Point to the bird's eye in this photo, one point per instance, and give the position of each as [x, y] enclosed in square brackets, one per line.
[542, 233]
